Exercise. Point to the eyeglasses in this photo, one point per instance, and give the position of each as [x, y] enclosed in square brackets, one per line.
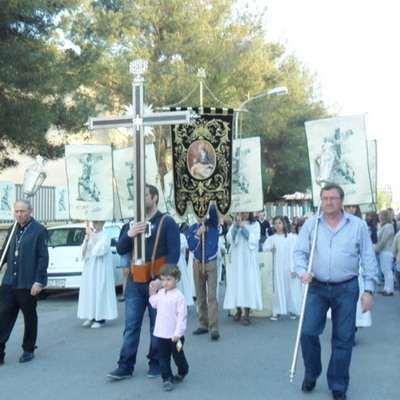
[326, 199]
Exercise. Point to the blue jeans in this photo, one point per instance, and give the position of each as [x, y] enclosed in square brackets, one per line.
[136, 302]
[342, 299]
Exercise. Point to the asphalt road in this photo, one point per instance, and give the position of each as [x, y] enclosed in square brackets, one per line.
[246, 363]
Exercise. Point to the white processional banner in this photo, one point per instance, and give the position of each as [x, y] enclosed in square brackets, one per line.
[7, 190]
[168, 201]
[247, 193]
[90, 182]
[124, 177]
[337, 149]
[62, 205]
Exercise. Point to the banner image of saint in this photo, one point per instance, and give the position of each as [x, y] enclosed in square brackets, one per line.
[338, 154]
[202, 159]
[124, 172]
[61, 206]
[90, 177]
[247, 194]
[7, 199]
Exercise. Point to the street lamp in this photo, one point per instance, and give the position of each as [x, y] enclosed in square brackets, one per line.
[278, 91]
[33, 179]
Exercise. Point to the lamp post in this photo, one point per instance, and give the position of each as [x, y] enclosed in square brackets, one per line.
[278, 91]
[33, 179]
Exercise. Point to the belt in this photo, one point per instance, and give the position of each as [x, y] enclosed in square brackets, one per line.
[335, 283]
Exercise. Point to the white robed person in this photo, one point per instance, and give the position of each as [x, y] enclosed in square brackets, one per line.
[287, 294]
[243, 284]
[97, 300]
[184, 283]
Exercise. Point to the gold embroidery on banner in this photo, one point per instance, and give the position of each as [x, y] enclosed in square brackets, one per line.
[202, 165]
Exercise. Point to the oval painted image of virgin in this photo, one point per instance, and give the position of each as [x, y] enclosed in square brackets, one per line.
[201, 159]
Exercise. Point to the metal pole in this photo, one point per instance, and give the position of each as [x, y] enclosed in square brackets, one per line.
[7, 244]
[303, 305]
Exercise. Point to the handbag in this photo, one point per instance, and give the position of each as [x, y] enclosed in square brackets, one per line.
[142, 273]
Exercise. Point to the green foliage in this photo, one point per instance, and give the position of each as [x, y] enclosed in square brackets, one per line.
[46, 86]
[32, 85]
[384, 199]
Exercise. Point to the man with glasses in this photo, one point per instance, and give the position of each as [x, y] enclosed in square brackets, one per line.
[342, 244]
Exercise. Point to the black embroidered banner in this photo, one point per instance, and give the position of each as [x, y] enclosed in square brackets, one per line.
[202, 157]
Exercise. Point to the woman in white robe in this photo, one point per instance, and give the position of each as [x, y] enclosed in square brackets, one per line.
[243, 284]
[97, 300]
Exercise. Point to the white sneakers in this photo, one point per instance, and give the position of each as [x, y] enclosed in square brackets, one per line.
[97, 325]
[93, 324]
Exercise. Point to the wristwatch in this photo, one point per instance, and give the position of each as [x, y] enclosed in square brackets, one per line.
[369, 291]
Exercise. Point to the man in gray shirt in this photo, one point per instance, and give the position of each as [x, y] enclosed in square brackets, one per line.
[343, 245]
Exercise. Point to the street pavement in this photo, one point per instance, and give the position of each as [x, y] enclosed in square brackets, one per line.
[248, 362]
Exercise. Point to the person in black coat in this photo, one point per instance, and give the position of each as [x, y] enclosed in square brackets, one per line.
[27, 260]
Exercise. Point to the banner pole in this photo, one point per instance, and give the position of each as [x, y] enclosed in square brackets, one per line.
[303, 305]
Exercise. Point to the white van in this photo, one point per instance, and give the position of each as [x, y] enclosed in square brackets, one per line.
[65, 264]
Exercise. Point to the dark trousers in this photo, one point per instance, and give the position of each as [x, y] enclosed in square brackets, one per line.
[167, 348]
[11, 301]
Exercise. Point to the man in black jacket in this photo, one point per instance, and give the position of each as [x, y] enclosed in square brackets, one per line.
[26, 274]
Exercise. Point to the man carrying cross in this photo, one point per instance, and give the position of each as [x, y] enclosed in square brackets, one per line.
[137, 293]
[164, 235]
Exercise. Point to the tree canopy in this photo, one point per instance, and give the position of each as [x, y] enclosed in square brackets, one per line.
[45, 85]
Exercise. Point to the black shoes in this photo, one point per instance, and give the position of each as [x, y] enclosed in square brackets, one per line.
[200, 331]
[178, 378]
[27, 356]
[119, 374]
[214, 335]
[338, 395]
[307, 386]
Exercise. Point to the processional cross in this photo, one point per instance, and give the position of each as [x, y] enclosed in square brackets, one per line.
[137, 122]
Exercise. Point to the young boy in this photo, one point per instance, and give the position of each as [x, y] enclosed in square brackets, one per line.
[170, 325]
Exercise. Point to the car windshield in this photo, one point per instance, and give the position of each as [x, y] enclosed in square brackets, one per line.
[73, 236]
[66, 237]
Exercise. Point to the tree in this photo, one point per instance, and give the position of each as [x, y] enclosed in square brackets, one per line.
[176, 38]
[33, 86]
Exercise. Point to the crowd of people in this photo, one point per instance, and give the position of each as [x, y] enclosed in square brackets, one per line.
[196, 263]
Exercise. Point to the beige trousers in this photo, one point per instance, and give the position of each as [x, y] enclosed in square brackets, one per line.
[205, 282]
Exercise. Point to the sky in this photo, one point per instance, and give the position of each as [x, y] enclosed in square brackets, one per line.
[352, 46]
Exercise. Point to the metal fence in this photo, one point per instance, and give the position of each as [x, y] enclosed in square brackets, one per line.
[298, 210]
[43, 203]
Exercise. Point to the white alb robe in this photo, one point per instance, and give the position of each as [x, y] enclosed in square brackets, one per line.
[243, 284]
[97, 299]
[283, 300]
[184, 283]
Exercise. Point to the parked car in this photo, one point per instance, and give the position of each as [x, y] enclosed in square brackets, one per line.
[65, 264]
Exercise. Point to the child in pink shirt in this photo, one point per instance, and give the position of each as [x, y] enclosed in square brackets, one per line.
[170, 325]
